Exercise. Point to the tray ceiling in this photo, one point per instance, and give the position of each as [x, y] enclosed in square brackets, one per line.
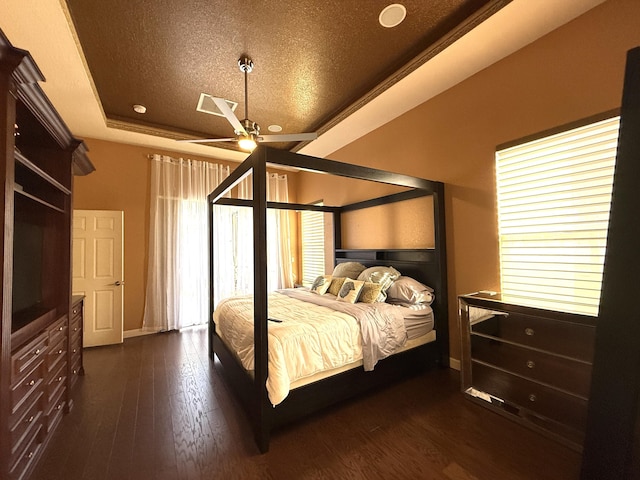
[315, 62]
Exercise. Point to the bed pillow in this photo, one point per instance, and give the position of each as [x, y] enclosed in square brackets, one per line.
[370, 292]
[348, 269]
[350, 290]
[336, 285]
[384, 276]
[408, 291]
[321, 284]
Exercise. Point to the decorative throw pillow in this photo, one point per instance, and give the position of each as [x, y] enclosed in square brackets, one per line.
[370, 292]
[384, 276]
[321, 284]
[350, 290]
[348, 269]
[336, 285]
[408, 291]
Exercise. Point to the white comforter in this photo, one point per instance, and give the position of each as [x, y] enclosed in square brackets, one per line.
[316, 333]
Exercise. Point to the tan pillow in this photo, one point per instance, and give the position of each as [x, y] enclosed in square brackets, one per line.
[336, 285]
[350, 290]
[348, 269]
[370, 292]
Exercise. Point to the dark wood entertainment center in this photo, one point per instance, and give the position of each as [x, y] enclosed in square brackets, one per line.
[41, 330]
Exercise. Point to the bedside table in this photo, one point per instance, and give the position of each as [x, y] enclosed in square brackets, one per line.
[529, 364]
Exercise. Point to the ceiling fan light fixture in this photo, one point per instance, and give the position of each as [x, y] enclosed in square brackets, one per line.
[247, 143]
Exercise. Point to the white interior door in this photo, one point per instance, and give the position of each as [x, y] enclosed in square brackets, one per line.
[98, 273]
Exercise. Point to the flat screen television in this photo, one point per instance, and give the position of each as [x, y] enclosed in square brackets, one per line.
[28, 244]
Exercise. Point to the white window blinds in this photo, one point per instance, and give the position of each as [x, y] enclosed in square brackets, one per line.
[554, 196]
[312, 227]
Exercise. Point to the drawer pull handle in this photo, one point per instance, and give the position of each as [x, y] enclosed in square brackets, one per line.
[75, 329]
[37, 351]
[531, 363]
[30, 419]
[29, 455]
[61, 328]
[529, 332]
[59, 379]
[532, 397]
[75, 350]
[59, 406]
[75, 371]
[60, 351]
[75, 311]
[31, 383]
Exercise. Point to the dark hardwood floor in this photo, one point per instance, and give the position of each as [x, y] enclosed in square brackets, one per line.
[155, 408]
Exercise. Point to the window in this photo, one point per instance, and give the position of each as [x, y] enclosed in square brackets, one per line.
[312, 227]
[554, 196]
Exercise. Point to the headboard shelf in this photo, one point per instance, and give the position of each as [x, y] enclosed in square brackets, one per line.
[395, 255]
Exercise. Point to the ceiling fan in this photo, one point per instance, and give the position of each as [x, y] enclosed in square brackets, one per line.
[247, 131]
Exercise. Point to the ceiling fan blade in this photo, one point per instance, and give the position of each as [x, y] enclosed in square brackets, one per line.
[289, 137]
[223, 106]
[208, 140]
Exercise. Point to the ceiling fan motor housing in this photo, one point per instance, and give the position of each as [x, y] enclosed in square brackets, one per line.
[245, 64]
[251, 127]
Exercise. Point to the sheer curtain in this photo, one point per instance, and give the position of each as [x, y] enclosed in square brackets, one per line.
[233, 243]
[178, 274]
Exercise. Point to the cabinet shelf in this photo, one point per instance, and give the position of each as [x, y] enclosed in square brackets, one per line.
[34, 183]
[39, 172]
[39, 200]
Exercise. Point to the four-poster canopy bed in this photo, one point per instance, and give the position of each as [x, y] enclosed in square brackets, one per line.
[426, 266]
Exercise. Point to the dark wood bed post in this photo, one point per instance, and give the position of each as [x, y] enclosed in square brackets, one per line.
[212, 327]
[612, 440]
[441, 249]
[260, 338]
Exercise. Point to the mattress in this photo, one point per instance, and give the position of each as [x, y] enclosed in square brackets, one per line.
[307, 339]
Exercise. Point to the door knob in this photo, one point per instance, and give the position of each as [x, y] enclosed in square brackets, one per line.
[118, 283]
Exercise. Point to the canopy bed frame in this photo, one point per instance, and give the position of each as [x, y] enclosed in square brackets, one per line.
[425, 265]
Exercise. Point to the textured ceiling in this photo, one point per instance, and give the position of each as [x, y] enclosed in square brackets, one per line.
[315, 61]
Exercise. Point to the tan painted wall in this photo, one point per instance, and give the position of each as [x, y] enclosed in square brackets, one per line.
[121, 182]
[572, 73]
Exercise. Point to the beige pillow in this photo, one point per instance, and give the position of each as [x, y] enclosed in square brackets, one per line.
[350, 290]
[370, 292]
[348, 269]
[321, 284]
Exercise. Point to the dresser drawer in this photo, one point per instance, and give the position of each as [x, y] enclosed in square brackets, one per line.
[539, 399]
[76, 324]
[75, 370]
[562, 373]
[25, 389]
[57, 353]
[23, 426]
[53, 413]
[564, 338]
[57, 330]
[26, 454]
[25, 358]
[56, 381]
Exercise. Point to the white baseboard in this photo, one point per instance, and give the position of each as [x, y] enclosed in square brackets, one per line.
[138, 332]
[454, 363]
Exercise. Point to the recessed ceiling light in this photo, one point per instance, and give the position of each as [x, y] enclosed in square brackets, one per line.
[274, 128]
[139, 109]
[392, 15]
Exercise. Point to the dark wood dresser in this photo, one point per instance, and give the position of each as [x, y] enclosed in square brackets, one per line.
[529, 364]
